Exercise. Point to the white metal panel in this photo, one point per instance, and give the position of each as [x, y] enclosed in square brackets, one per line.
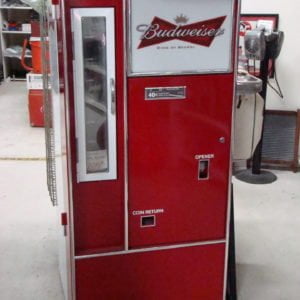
[183, 55]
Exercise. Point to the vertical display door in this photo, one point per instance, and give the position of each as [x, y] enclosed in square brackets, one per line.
[94, 85]
[97, 163]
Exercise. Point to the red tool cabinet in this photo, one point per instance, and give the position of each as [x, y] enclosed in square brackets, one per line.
[145, 111]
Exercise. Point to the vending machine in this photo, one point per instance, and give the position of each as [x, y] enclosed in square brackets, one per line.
[144, 116]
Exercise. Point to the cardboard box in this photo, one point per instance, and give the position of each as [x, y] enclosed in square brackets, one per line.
[26, 27]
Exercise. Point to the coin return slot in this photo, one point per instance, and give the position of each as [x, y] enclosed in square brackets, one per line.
[147, 221]
[203, 172]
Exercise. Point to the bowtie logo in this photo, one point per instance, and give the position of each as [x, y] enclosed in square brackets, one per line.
[200, 33]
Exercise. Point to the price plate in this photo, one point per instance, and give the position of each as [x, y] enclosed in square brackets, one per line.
[165, 93]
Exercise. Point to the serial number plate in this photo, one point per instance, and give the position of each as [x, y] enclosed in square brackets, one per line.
[165, 93]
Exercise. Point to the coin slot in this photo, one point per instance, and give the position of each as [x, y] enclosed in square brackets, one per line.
[147, 221]
[203, 172]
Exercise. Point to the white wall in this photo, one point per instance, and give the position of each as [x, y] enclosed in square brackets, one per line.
[288, 63]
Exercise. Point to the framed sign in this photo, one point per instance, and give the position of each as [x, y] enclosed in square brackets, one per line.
[180, 37]
[250, 22]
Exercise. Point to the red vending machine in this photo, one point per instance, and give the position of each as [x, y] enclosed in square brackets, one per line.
[147, 88]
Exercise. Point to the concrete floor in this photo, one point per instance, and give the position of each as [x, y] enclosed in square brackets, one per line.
[267, 238]
[18, 139]
[28, 245]
[267, 220]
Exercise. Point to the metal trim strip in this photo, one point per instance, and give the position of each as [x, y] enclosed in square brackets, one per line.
[126, 197]
[71, 258]
[150, 249]
[230, 189]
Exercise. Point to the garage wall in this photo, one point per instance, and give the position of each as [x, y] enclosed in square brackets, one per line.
[288, 63]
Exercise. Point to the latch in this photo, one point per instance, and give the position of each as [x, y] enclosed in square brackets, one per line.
[64, 222]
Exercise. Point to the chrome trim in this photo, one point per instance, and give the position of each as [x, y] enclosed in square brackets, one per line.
[80, 97]
[208, 172]
[150, 74]
[126, 197]
[128, 46]
[151, 249]
[72, 283]
[113, 95]
[147, 216]
[230, 189]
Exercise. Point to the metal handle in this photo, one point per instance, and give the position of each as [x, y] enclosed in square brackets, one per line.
[113, 96]
[23, 57]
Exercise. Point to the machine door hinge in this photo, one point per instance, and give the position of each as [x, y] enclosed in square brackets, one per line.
[64, 222]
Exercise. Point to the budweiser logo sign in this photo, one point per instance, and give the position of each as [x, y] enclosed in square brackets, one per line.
[200, 33]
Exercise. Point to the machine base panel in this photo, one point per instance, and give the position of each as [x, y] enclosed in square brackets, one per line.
[182, 274]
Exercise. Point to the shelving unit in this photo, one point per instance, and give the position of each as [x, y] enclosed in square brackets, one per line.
[11, 11]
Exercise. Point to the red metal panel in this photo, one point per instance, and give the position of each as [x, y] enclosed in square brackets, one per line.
[186, 273]
[164, 138]
[99, 206]
[36, 108]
